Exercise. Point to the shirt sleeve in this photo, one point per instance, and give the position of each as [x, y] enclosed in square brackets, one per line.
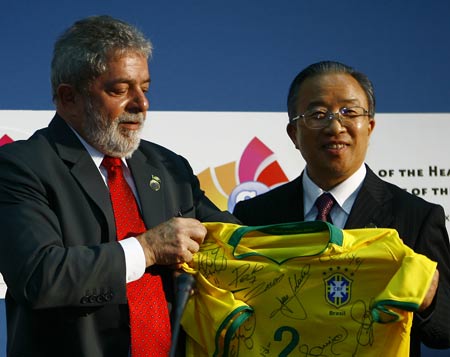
[134, 258]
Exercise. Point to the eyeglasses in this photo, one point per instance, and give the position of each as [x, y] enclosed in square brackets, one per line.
[318, 118]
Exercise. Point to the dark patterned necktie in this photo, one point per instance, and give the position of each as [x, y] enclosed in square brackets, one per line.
[149, 316]
[324, 203]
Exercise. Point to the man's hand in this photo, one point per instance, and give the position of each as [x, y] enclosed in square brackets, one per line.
[172, 242]
[431, 292]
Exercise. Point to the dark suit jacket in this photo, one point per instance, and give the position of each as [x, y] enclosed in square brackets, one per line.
[420, 224]
[64, 270]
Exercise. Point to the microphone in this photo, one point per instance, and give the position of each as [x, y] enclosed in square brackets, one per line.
[184, 284]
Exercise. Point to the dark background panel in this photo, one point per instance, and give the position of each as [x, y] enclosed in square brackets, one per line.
[242, 55]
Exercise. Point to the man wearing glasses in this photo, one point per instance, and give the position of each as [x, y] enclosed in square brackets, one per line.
[331, 110]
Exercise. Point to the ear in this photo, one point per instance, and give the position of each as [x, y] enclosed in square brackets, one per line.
[371, 125]
[291, 130]
[66, 95]
[69, 103]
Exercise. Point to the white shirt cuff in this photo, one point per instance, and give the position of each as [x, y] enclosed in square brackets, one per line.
[134, 258]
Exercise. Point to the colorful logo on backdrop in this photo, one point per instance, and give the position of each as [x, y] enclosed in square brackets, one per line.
[256, 172]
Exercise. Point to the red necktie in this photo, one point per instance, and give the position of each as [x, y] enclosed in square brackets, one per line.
[149, 316]
[324, 203]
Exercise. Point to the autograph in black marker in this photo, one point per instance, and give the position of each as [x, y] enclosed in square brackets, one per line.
[290, 304]
[212, 261]
[362, 316]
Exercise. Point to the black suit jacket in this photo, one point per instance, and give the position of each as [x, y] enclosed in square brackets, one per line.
[380, 204]
[59, 257]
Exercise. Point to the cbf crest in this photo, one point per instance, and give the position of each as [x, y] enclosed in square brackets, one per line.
[338, 289]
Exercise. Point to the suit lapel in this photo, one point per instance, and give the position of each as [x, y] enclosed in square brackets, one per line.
[296, 209]
[150, 187]
[372, 207]
[83, 169]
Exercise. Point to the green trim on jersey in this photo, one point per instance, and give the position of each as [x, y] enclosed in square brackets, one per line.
[304, 288]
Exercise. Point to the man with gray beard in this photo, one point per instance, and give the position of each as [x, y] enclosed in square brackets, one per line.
[94, 220]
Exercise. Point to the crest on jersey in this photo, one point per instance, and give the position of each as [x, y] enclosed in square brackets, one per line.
[338, 289]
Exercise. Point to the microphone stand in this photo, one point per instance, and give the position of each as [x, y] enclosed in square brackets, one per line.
[184, 284]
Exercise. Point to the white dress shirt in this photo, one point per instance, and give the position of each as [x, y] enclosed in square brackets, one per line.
[345, 194]
[134, 254]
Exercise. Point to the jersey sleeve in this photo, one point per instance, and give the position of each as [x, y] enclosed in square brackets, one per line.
[406, 289]
[211, 317]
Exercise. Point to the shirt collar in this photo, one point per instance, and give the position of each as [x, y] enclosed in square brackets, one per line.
[344, 193]
[97, 156]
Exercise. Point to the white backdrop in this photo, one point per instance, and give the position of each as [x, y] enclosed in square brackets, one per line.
[410, 150]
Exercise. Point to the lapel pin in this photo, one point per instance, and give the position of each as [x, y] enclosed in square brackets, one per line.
[155, 183]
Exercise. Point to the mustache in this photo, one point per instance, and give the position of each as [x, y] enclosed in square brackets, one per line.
[131, 117]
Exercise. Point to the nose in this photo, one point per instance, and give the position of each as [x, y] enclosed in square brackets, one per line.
[335, 124]
[138, 102]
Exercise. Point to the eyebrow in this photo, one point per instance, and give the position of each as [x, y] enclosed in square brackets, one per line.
[319, 103]
[128, 81]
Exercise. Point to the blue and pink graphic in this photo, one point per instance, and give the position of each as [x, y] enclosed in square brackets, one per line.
[256, 172]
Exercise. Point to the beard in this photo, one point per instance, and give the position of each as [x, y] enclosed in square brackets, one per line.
[107, 136]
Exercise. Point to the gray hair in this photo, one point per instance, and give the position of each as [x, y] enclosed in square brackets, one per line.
[82, 52]
[326, 67]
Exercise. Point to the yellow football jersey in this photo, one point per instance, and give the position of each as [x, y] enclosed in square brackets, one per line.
[303, 289]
